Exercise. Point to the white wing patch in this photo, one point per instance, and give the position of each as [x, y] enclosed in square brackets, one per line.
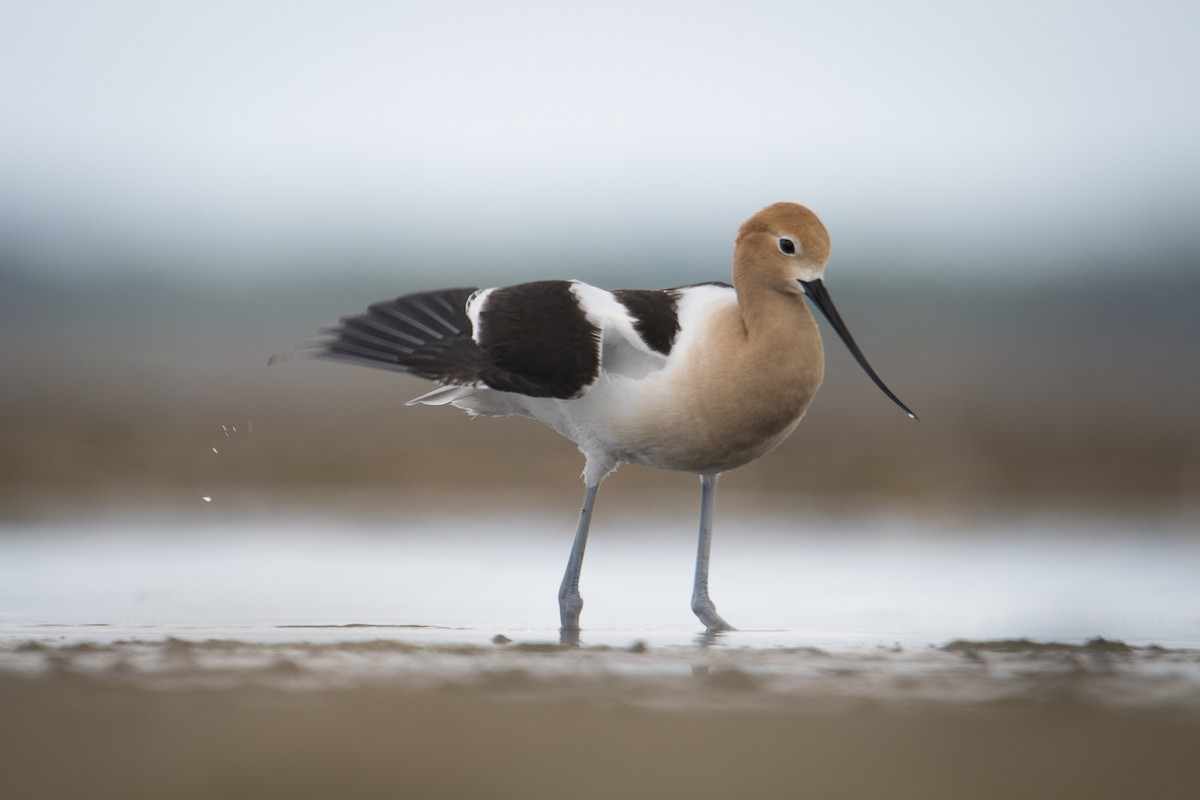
[622, 351]
[474, 307]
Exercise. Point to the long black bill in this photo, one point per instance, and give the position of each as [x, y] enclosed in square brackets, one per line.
[817, 292]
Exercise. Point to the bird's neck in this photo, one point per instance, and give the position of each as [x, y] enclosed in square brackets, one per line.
[773, 317]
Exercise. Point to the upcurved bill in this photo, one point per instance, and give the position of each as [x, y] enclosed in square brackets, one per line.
[817, 292]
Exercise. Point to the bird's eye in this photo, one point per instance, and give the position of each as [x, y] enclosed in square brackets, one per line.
[787, 247]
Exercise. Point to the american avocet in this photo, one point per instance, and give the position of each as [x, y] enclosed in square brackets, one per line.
[700, 378]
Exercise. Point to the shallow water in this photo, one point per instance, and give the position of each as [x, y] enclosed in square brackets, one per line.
[831, 582]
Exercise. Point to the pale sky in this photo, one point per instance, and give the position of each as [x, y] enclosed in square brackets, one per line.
[271, 139]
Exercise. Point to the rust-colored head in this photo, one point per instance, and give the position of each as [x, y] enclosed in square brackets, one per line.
[779, 246]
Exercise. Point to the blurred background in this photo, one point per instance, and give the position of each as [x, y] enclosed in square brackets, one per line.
[189, 188]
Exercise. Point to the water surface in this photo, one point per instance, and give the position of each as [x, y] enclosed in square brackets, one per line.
[826, 582]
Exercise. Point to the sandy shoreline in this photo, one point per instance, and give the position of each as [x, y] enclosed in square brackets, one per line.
[389, 718]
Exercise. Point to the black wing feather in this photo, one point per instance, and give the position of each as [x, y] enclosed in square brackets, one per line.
[537, 335]
[655, 315]
[427, 334]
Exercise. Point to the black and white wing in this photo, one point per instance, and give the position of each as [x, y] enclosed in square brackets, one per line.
[541, 339]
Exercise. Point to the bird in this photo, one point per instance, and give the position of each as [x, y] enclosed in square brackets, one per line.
[702, 378]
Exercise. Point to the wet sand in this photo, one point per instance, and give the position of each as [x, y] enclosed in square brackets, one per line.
[527, 718]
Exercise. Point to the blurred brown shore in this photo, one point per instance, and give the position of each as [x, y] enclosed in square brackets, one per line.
[69, 739]
[383, 718]
[147, 394]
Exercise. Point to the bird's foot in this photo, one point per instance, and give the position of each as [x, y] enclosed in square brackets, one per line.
[706, 610]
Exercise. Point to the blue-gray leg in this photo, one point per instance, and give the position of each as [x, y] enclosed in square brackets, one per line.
[701, 604]
[570, 603]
